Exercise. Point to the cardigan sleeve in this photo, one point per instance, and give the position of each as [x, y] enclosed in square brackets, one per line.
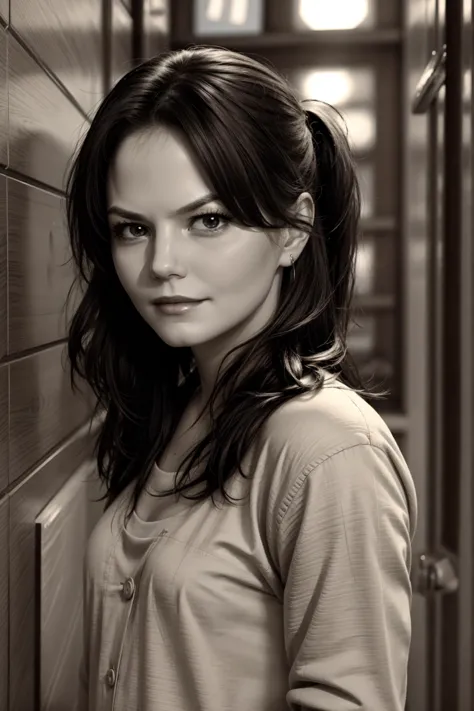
[343, 546]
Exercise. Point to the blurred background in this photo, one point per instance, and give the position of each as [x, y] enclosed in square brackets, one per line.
[400, 72]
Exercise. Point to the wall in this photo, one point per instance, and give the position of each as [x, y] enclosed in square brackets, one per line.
[51, 80]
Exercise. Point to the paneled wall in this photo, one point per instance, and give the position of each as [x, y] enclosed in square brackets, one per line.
[52, 77]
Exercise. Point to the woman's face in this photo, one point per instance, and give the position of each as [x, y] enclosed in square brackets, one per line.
[169, 238]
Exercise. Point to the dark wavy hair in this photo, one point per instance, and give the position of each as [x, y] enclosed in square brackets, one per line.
[259, 148]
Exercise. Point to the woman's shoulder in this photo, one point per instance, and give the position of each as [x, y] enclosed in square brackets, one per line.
[334, 417]
[332, 437]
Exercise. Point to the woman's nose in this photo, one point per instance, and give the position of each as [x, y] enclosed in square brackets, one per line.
[166, 256]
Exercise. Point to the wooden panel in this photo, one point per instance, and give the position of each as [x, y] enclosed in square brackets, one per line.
[3, 269]
[4, 515]
[43, 410]
[44, 124]
[121, 41]
[39, 273]
[3, 99]
[5, 10]
[66, 36]
[3, 428]
[25, 504]
[63, 529]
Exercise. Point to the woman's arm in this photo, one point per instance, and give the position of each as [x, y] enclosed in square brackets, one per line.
[344, 552]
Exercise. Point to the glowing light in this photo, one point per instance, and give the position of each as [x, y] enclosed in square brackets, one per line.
[338, 86]
[215, 10]
[334, 86]
[239, 10]
[333, 14]
[365, 268]
[361, 127]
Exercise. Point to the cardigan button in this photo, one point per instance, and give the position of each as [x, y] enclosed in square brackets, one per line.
[110, 677]
[128, 588]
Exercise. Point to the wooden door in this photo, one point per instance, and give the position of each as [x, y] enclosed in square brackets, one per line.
[441, 659]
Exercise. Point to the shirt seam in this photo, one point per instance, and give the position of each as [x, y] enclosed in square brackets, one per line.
[298, 484]
[368, 433]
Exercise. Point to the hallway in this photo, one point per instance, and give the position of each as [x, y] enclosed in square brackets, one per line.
[401, 74]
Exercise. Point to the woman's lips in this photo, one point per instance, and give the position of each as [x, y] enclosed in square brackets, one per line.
[173, 309]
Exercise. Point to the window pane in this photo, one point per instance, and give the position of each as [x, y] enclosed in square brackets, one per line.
[228, 17]
[157, 15]
[333, 14]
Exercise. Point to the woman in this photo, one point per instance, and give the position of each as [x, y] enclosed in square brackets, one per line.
[254, 552]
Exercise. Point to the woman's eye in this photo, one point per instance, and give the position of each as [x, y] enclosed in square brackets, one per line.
[211, 222]
[129, 230]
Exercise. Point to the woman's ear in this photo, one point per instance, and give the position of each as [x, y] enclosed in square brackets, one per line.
[296, 239]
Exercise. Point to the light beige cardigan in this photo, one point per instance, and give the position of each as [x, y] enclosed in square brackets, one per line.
[298, 597]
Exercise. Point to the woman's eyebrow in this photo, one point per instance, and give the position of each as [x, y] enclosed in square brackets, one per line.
[115, 210]
[194, 205]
